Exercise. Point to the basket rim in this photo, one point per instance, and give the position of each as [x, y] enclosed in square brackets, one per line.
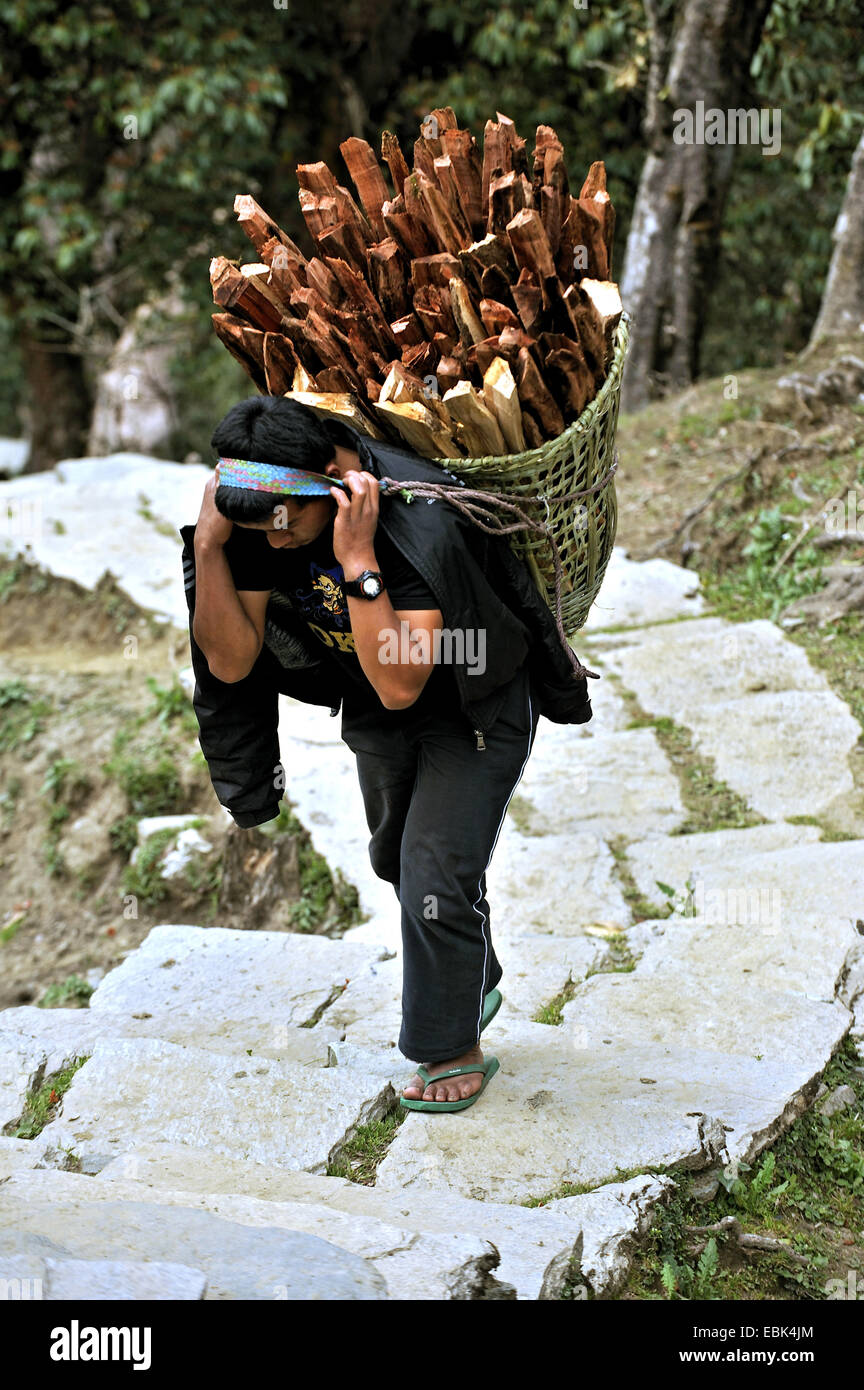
[529, 458]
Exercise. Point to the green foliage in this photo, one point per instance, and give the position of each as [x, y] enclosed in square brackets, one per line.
[143, 879]
[327, 904]
[144, 116]
[22, 715]
[12, 927]
[171, 705]
[360, 1156]
[679, 900]
[148, 776]
[74, 992]
[42, 1101]
[806, 1192]
[553, 1012]
[774, 260]
[767, 582]
[682, 1281]
[129, 131]
[123, 834]
[642, 908]
[63, 786]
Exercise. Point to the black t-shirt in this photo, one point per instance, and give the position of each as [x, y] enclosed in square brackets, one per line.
[306, 581]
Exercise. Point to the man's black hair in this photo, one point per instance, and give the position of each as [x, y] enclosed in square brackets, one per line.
[277, 430]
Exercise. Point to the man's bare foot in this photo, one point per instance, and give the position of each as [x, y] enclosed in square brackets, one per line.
[456, 1088]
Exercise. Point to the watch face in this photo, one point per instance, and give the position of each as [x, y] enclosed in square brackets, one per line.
[371, 586]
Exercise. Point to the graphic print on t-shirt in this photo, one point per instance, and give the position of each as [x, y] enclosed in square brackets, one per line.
[324, 607]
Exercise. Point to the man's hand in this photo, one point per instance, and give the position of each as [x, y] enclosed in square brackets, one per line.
[355, 523]
[212, 528]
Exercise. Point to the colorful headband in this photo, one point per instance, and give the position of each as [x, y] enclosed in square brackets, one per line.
[271, 477]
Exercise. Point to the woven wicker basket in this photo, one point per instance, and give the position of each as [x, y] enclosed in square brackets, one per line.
[579, 458]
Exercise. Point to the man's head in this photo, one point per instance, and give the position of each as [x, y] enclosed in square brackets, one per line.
[276, 430]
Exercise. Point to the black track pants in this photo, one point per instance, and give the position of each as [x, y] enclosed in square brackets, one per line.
[435, 805]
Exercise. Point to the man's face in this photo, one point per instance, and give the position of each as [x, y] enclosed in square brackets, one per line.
[292, 526]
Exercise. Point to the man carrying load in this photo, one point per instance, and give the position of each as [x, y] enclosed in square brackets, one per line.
[314, 595]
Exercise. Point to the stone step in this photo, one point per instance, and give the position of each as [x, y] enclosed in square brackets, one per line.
[708, 1048]
[614, 781]
[417, 1265]
[238, 988]
[553, 884]
[104, 1280]
[650, 591]
[559, 1113]
[91, 498]
[142, 1089]
[762, 876]
[536, 968]
[776, 731]
[535, 1244]
[227, 991]
[63, 1216]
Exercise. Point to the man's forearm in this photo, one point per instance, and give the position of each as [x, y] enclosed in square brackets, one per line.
[221, 627]
[396, 685]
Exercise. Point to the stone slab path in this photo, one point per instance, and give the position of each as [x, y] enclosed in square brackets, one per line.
[227, 1071]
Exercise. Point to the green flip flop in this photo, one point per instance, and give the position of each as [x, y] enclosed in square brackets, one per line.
[491, 1004]
[488, 1068]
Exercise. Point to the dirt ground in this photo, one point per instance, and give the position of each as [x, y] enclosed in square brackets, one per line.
[68, 686]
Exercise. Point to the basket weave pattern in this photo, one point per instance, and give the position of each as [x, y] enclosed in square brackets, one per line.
[579, 458]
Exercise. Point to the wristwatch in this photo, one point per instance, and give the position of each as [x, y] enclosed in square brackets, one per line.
[367, 585]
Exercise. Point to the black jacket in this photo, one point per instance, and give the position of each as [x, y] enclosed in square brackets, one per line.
[478, 582]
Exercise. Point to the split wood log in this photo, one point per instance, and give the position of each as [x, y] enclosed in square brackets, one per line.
[536, 397]
[408, 331]
[437, 269]
[481, 431]
[446, 178]
[391, 153]
[528, 298]
[242, 297]
[605, 300]
[461, 147]
[447, 373]
[244, 343]
[509, 194]
[302, 380]
[567, 373]
[262, 230]
[502, 398]
[340, 404]
[496, 316]
[422, 359]
[420, 429]
[387, 277]
[368, 180]
[410, 232]
[470, 328]
[530, 247]
[280, 363]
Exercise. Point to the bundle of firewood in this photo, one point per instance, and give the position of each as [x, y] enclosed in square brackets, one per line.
[472, 313]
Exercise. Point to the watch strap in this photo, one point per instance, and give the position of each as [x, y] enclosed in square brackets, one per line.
[354, 587]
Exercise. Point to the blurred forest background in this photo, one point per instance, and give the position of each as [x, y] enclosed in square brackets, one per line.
[128, 129]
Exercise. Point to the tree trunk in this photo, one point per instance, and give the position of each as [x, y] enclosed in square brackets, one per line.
[841, 313]
[135, 398]
[58, 402]
[700, 51]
